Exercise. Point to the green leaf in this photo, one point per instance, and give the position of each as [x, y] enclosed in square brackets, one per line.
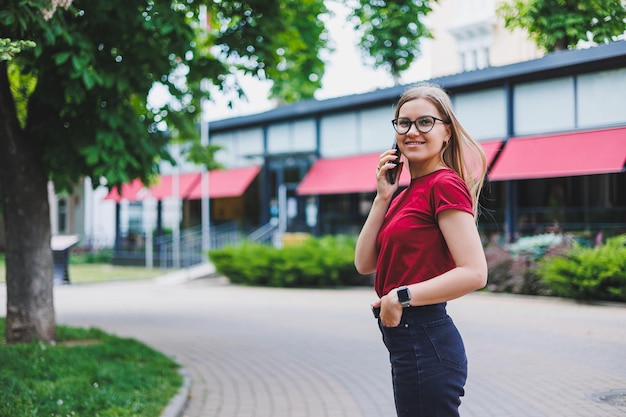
[62, 57]
[554, 24]
[88, 80]
[76, 63]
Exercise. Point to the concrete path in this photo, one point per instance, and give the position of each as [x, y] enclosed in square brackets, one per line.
[259, 352]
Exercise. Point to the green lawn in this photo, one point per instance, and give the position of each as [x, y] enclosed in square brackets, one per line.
[87, 373]
[86, 273]
[105, 272]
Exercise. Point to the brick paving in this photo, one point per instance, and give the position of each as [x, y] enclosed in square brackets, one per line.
[258, 352]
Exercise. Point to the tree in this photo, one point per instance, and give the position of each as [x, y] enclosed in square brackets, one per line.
[391, 32]
[278, 40]
[75, 105]
[9, 48]
[560, 24]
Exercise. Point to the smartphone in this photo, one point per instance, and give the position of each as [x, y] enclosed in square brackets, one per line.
[392, 173]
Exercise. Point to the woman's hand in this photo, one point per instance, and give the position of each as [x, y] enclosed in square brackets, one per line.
[384, 189]
[390, 309]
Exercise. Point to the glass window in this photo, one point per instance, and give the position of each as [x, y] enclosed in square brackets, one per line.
[303, 135]
[278, 138]
[238, 146]
[482, 113]
[601, 98]
[376, 132]
[135, 217]
[339, 135]
[544, 106]
[227, 142]
[249, 142]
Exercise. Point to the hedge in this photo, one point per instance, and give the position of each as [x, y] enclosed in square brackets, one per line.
[588, 273]
[314, 262]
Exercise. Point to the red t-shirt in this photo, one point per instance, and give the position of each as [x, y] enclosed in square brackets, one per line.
[410, 245]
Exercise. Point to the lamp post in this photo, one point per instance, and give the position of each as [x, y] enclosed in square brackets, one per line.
[204, 141]
[204, 180]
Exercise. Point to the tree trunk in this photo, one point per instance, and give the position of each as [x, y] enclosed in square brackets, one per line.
[26, 212]
[561, 44]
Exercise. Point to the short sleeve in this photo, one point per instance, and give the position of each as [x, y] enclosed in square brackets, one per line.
[451, 192]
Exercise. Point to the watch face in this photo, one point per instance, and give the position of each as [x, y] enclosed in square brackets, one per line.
[403, 294]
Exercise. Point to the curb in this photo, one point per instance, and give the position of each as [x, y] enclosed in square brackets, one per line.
[177, 404]
[203, 270]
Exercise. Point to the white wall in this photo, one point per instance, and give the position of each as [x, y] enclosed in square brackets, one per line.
[99, 228]
[462, 26]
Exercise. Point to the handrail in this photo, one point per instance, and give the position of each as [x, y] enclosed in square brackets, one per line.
[190, 244]
[264, 233]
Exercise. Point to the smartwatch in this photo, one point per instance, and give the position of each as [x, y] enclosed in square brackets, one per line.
[404, 296]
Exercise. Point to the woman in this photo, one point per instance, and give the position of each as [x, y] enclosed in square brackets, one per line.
[425, 250]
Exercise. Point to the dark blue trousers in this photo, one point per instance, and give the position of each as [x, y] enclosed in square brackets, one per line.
[428, 362]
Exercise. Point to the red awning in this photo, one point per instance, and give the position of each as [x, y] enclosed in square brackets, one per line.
[578, 153]
[226, 183]
[129, 191]
[491, 148]
[353, 174]
[164, 187]
[222, 183]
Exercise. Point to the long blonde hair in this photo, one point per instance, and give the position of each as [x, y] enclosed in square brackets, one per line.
[462, 153]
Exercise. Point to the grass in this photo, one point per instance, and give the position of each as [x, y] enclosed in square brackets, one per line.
[81, 273]
[87, 373]
[84, 273]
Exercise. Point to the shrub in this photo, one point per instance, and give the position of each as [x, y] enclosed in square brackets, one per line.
[314, 262]
[536, 246]
[588, 273]
[513, 268]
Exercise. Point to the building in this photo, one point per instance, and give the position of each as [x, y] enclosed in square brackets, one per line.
[554, 130]
[304, 167]
[468, 35]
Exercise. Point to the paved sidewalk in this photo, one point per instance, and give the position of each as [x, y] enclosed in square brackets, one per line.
[258, 352]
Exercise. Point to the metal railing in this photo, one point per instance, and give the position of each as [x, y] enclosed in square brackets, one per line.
[264, 234]
[190, 244]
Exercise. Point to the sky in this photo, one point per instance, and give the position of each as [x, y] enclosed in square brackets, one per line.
[345, 73]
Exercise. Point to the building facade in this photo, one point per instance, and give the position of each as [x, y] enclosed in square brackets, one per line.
[467, 36]
[553, 128]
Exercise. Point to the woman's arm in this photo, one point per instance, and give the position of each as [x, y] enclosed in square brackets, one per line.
[461, 235]
[470, 274]
[365, 253]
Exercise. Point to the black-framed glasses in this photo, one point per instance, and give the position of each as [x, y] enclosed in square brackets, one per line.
[424, 124]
